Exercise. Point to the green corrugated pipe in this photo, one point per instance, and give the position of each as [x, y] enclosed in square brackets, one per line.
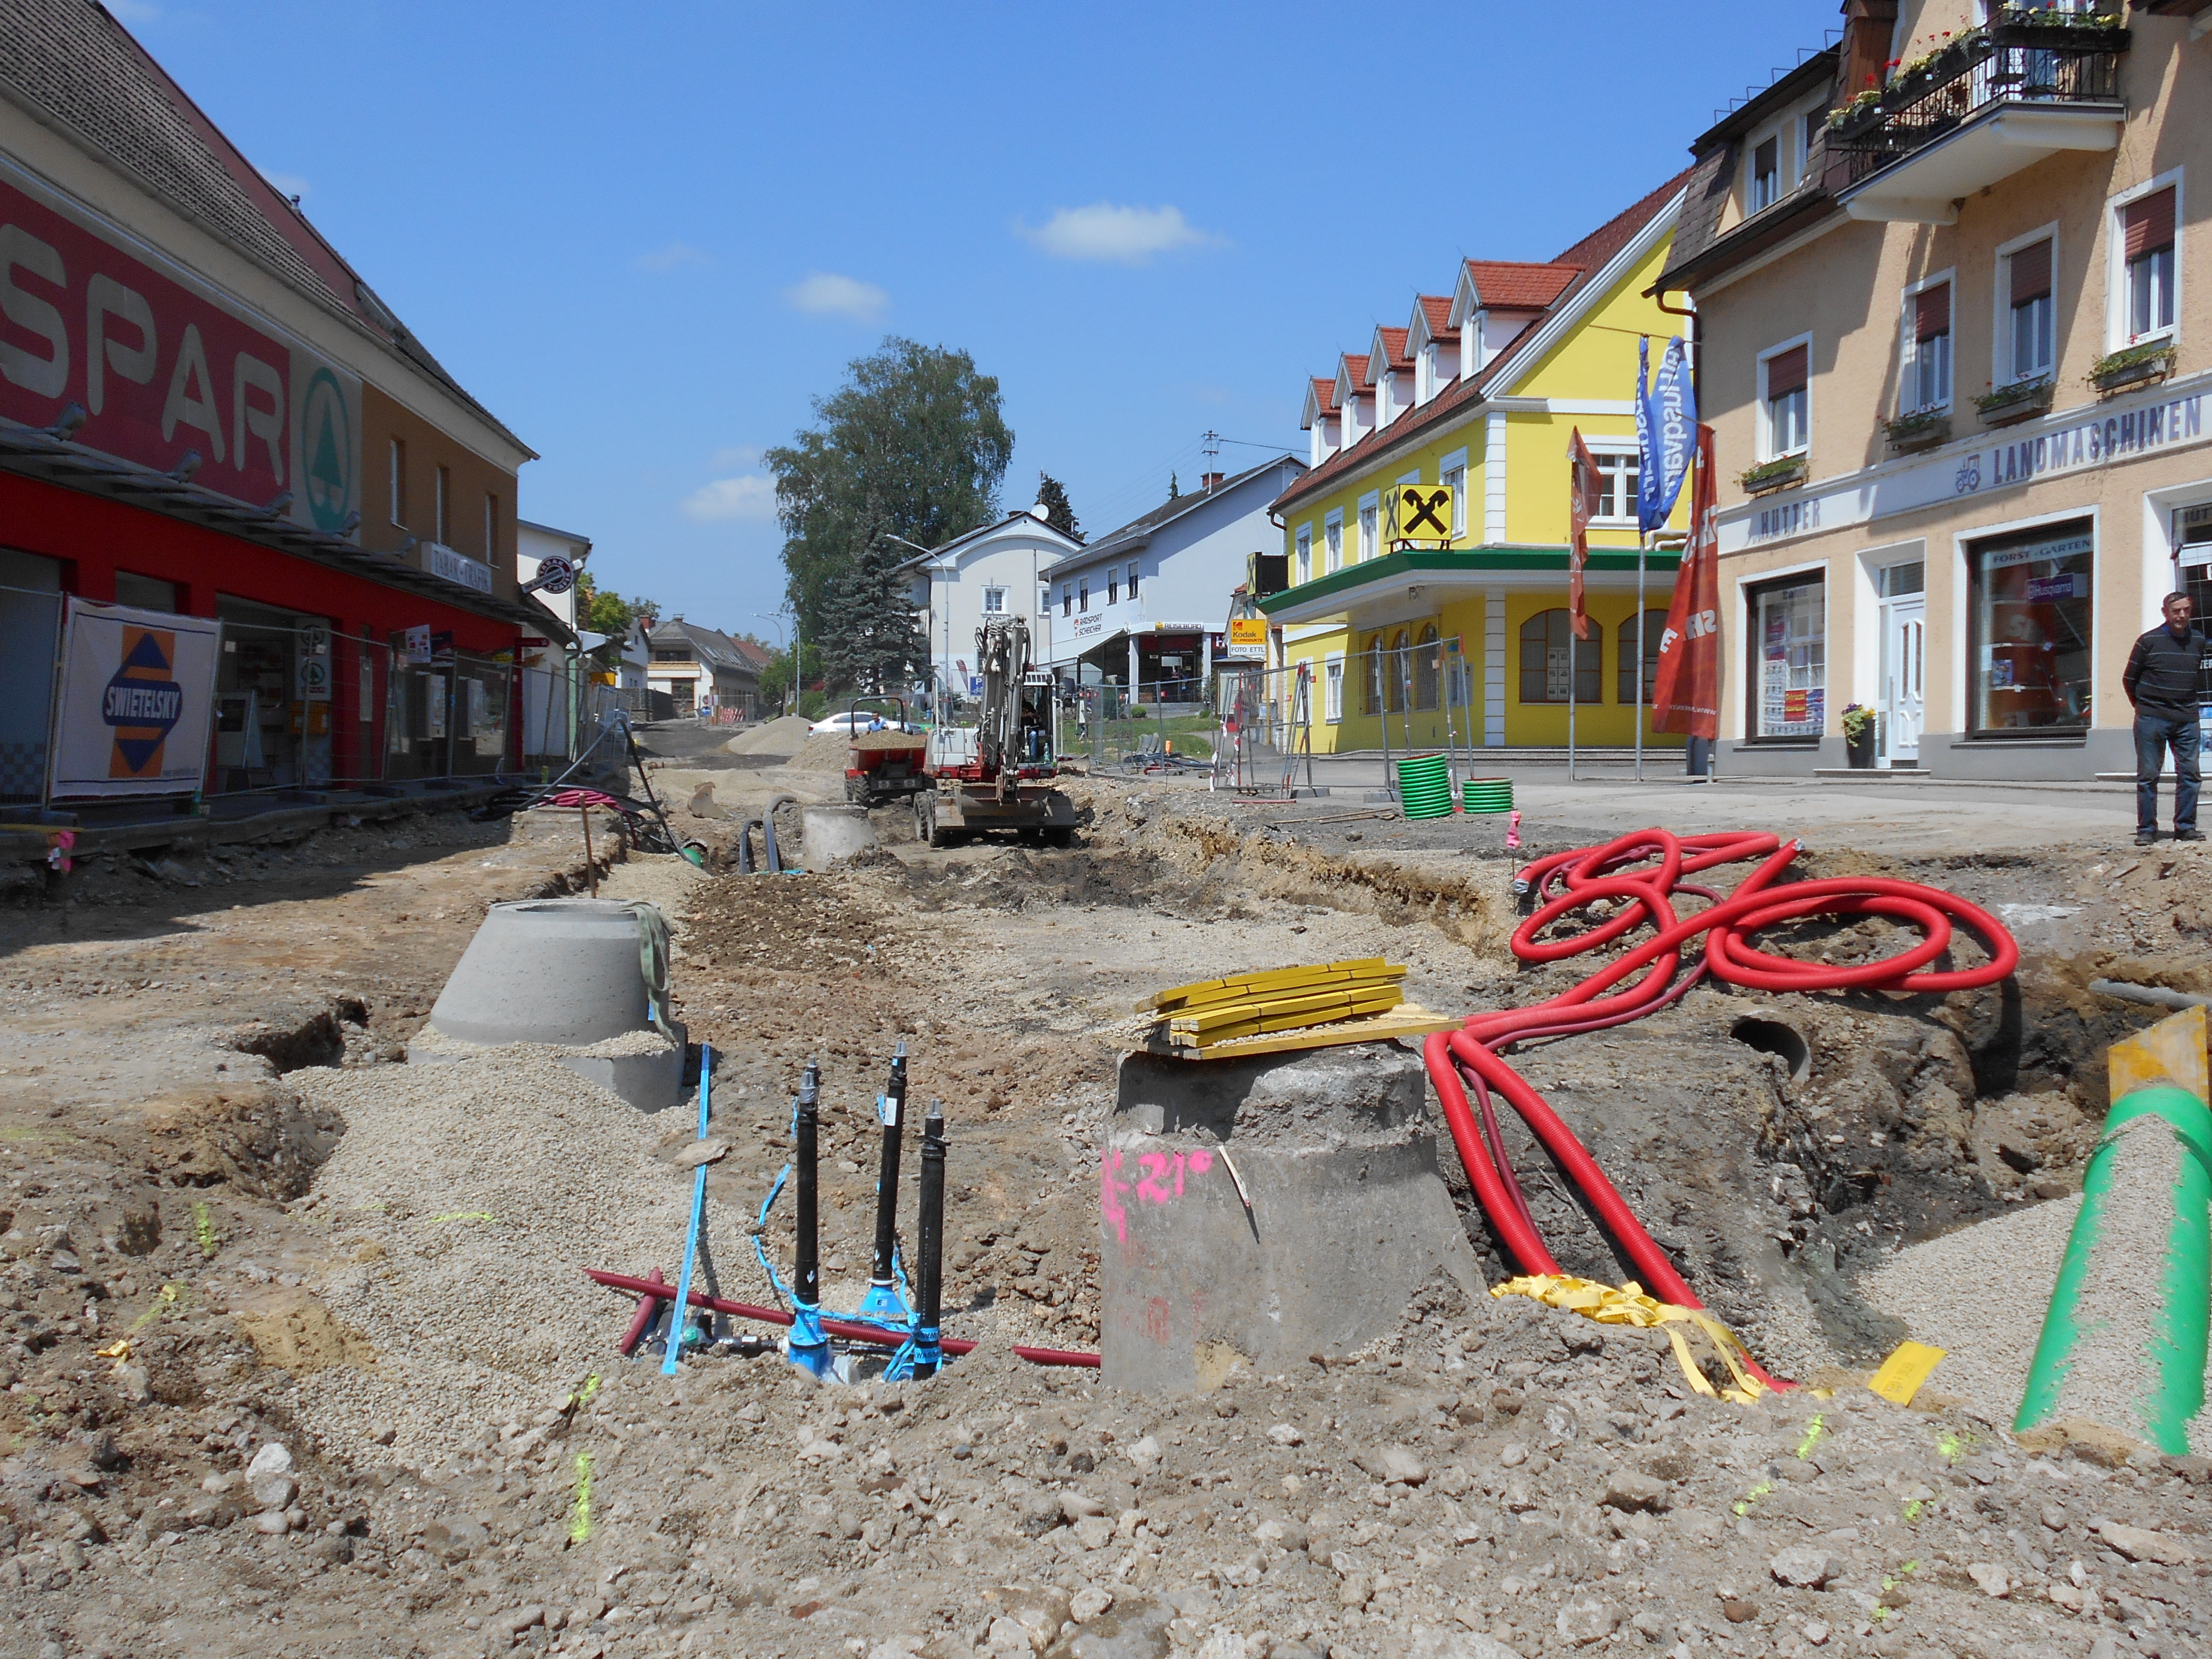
[2174, 1355]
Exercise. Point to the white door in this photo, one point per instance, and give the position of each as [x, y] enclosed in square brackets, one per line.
[1903, 679]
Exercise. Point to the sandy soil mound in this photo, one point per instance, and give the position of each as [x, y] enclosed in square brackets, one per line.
[825, 751]
[777, 737]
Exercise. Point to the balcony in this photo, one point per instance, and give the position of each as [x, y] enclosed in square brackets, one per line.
[2028, 86]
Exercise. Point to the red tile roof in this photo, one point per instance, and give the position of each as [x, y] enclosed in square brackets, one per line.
[1511, 285]
[1355, 370]
[1437, 306]
[1586, 256]
[1324, 394]
[1393, 346]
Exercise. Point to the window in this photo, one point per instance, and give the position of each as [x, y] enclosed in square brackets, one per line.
[679, 654]
[1625, 656]
[1332, 689]
[1371, 679]
[145, 592]
[1066, 600]
[398, 483]
[2030, 316]
[2029, 617]
[1428, 670]
[1788, 644]
[1786, 404]
[1113, 585]
[1618, 474]
[1304, 572]
[1926, 383]
[1454, 474]
[1545, 639]
[1083, 593]
[1765, 174]
[1132, 579]
[2146, 229]
[491, 528]
[1811, 126]
[445, 532]
[1366, 547]
[1395, 674]
[1332, 533]
[994, 600]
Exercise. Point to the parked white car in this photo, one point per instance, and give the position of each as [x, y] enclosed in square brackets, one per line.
[865, 721]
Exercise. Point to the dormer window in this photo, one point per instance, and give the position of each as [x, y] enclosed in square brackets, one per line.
[1765, 174]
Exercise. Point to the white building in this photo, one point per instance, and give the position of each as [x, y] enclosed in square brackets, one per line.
[1143, 605]
[552, 678]
[988, 572]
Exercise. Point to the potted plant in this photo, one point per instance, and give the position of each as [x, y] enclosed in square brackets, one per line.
[2023, 400]
[1779, 474]
[1858, 736]
[2048, 29]
[1923, 429]
[2136, 366]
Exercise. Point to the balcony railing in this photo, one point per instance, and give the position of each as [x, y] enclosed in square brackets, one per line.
[2023, 56]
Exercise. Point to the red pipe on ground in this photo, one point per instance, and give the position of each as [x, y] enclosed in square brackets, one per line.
[656, 1290]
[1567, 881]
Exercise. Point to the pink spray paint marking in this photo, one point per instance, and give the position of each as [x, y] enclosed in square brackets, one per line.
[1160, 1182]
[1512, 830]
[1110, 1188]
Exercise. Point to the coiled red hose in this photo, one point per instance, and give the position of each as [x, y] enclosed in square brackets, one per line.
[1567, 881]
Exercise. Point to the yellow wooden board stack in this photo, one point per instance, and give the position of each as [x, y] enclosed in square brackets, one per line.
[1407, 1019]
[1238, 1007]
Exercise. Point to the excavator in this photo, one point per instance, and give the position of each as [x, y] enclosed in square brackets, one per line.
[992, 777]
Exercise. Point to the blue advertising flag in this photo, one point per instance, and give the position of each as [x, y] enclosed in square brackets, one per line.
[1647, 466]
[1672, 418]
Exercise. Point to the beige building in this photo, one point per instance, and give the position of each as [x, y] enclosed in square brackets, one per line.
[1953, 280]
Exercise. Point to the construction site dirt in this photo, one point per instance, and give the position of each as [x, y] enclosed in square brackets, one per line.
[293, 1364]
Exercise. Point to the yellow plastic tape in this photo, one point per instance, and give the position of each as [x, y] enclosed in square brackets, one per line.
[1904, 1371]
[1629, 1306]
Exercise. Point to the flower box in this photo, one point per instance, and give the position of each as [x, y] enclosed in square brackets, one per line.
[2008, 405]
[1774, 475]
[1923, 429]
[2137, 366]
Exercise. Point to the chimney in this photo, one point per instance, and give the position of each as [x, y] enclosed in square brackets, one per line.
[1209, 481]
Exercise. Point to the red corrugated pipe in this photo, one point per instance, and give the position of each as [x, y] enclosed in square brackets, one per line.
[1567, 881]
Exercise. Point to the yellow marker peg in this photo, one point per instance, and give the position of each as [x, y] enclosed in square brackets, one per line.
[1904, 1371]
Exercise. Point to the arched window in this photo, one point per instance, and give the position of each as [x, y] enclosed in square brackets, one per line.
[1428, 668]
[1372, 677]
[1623, 656]
[1545, 638]
[1394, 674]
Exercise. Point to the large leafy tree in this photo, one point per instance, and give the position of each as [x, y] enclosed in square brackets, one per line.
[913, 445]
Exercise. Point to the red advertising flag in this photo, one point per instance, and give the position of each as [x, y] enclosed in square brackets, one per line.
[1686, 698]
[1584, 500]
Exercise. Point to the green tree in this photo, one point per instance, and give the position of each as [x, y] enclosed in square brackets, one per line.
[913, 445]
[1175, 489]
[608, 612]
[1052, 495]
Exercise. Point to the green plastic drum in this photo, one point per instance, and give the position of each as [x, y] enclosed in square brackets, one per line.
[1488, 795]
[1425, 787]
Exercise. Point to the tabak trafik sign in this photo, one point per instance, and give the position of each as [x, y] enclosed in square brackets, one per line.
[164, 365]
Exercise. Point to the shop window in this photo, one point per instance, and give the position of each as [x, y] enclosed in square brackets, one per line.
[1371, 680]
[1788, 640]
[1546, 641]
[1926, 382]
[2192, 548]
[1626, 656]
[2029, 657]
[1394, 688]
[2031, 313]
[146, 592]
[1428, 670]
[1785, 402]
[2146, 232]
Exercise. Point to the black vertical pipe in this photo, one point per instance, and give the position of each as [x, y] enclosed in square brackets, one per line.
[883, 1278]
[929, 1288]
[806, 1262]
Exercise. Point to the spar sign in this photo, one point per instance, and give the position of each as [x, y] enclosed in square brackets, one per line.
[161, 366]
[137, 689]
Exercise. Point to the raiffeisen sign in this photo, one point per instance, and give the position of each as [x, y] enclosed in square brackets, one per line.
[164, 368]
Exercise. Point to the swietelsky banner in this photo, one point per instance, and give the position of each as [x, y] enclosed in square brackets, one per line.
[138, 691]
[1685, 696]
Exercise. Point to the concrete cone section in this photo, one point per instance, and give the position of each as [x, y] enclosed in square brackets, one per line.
[1347, 1215]
[571, 974]
[835, 832]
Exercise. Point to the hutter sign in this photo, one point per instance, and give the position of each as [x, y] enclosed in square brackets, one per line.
[136, 691]
[163, 365]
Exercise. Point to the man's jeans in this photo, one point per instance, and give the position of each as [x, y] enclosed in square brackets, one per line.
[2153, 734]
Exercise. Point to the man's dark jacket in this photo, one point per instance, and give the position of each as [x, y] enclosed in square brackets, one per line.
[2161, 673]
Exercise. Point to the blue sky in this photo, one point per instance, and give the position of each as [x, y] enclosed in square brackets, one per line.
[646, 236]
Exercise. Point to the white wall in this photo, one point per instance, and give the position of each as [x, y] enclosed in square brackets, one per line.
[948, 592]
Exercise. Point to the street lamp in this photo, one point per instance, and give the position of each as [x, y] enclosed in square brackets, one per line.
[945, 676]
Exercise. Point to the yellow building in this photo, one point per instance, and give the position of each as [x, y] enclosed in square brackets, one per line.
[1480, 392]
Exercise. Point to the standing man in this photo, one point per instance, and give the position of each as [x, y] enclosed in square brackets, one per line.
[2160, 681]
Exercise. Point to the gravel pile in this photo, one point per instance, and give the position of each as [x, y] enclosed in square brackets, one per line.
[778, 737]
[469, 1196]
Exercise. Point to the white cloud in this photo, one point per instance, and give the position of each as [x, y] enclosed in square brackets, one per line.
[825, 295]
[1131, 235]
[675, 256]
[751, 499]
